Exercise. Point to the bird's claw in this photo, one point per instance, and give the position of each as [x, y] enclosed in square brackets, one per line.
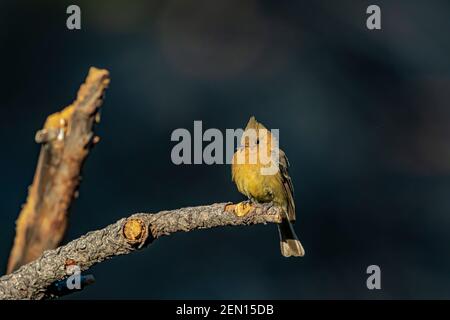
[243, 208]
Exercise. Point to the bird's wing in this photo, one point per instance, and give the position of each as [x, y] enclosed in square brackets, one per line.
[287, 184]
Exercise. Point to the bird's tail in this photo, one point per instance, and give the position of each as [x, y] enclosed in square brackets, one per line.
[289, 243]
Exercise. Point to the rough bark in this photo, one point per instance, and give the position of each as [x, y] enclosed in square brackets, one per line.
[33, 280]
[66, 140]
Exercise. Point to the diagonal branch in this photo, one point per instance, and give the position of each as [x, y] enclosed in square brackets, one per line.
[66, 139]
[32, 281]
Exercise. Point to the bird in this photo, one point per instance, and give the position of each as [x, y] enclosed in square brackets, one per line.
[247, 173]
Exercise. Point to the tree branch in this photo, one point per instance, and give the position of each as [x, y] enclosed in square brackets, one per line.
[66, 139]
[32, 281]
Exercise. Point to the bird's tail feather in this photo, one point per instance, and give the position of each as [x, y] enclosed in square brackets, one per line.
[289, 243]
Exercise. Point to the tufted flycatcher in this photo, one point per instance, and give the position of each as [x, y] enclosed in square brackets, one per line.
[250, 169]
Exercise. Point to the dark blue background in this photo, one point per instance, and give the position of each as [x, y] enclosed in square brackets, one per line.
[363, 116]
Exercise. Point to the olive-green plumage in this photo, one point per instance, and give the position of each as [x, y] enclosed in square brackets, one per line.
[247, 164]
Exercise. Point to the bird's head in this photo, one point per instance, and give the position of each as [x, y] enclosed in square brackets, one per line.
[255, 134]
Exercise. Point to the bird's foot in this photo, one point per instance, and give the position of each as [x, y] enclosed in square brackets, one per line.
[243, 208]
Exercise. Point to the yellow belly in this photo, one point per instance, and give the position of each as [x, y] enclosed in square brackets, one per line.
[262, 188]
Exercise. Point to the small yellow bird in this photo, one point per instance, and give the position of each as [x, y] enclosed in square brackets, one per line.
[247, 171]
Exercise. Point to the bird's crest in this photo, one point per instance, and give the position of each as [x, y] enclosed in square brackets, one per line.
[254, 124]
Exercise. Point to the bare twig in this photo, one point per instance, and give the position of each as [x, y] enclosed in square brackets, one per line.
[66, 139]
[32, 281]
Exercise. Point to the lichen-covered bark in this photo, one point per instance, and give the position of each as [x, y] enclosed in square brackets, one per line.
[66, 139]
[32, 281]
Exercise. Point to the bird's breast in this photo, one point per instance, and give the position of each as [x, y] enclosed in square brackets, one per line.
[251, 182]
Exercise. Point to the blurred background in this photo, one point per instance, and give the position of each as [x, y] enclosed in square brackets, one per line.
[363, 116]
